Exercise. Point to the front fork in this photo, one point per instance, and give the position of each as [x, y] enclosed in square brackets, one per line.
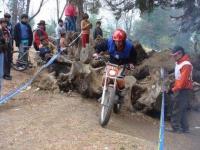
[105, 88]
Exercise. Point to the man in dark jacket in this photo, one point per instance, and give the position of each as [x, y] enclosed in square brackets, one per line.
[7, 49]
[7, 17]
[23, 36]
[98, 31]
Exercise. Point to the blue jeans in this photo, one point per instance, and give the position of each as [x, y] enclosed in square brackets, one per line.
[70, 23]
[23, 48]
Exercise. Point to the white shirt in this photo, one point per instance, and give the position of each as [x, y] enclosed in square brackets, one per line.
[59, 30]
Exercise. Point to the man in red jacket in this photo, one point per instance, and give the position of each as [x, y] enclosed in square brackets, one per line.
[40, 34]
[182, 90]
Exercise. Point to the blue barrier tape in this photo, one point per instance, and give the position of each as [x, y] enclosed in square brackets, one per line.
[162, 117]
[22, 87]
[12, 93]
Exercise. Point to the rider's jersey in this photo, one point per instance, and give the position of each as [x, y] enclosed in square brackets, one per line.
[126, 56]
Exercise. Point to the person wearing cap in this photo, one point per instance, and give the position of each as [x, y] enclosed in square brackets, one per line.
[23, 36]
[7, 49]
[120, 49]
[40, 34]
[59, 29]
[181, 90]
[71, 12]
[97, 31]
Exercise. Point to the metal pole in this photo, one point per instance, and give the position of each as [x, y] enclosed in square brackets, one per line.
[162, 116]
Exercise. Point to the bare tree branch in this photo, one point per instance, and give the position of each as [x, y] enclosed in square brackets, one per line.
[41, 4]
[63, 9]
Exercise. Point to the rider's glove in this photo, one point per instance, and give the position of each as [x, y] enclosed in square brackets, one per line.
[131, 66]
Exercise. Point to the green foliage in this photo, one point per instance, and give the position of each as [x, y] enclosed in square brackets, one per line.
[32, 23]
[156, 30]
[50, 27]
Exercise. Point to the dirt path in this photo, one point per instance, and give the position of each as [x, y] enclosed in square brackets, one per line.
[44, 120]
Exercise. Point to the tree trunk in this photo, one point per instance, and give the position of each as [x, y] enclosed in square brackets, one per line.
[63, 9]
[57, 9]
[14, 10]
[143, 84]
[28, 6]
[79, 4]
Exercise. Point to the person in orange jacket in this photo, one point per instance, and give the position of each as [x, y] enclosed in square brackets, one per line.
[182, 90]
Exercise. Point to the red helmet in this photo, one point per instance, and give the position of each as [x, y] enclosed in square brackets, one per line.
[119, 35]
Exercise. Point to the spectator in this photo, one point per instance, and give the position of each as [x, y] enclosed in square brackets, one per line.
[46, 50]
[85, 29]
[181, 90]
[23, 37]
[7, 17]
[97, 31]
[59, 29]
[2, 46]
[63, 42]
[71, 12]
[40, 34]
[7, 50]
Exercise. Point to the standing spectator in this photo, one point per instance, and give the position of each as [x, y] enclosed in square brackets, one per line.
[97, 31]
[59, 29]
[23, 36]
[40, 35]
[71, 12]
[2, 50]
[85, 29]
[7, 50]
[7, 16]
[181, 90]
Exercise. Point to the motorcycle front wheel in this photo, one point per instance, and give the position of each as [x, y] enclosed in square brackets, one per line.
[107, 107]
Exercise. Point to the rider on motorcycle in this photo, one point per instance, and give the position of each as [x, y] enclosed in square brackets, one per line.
[120, 49]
